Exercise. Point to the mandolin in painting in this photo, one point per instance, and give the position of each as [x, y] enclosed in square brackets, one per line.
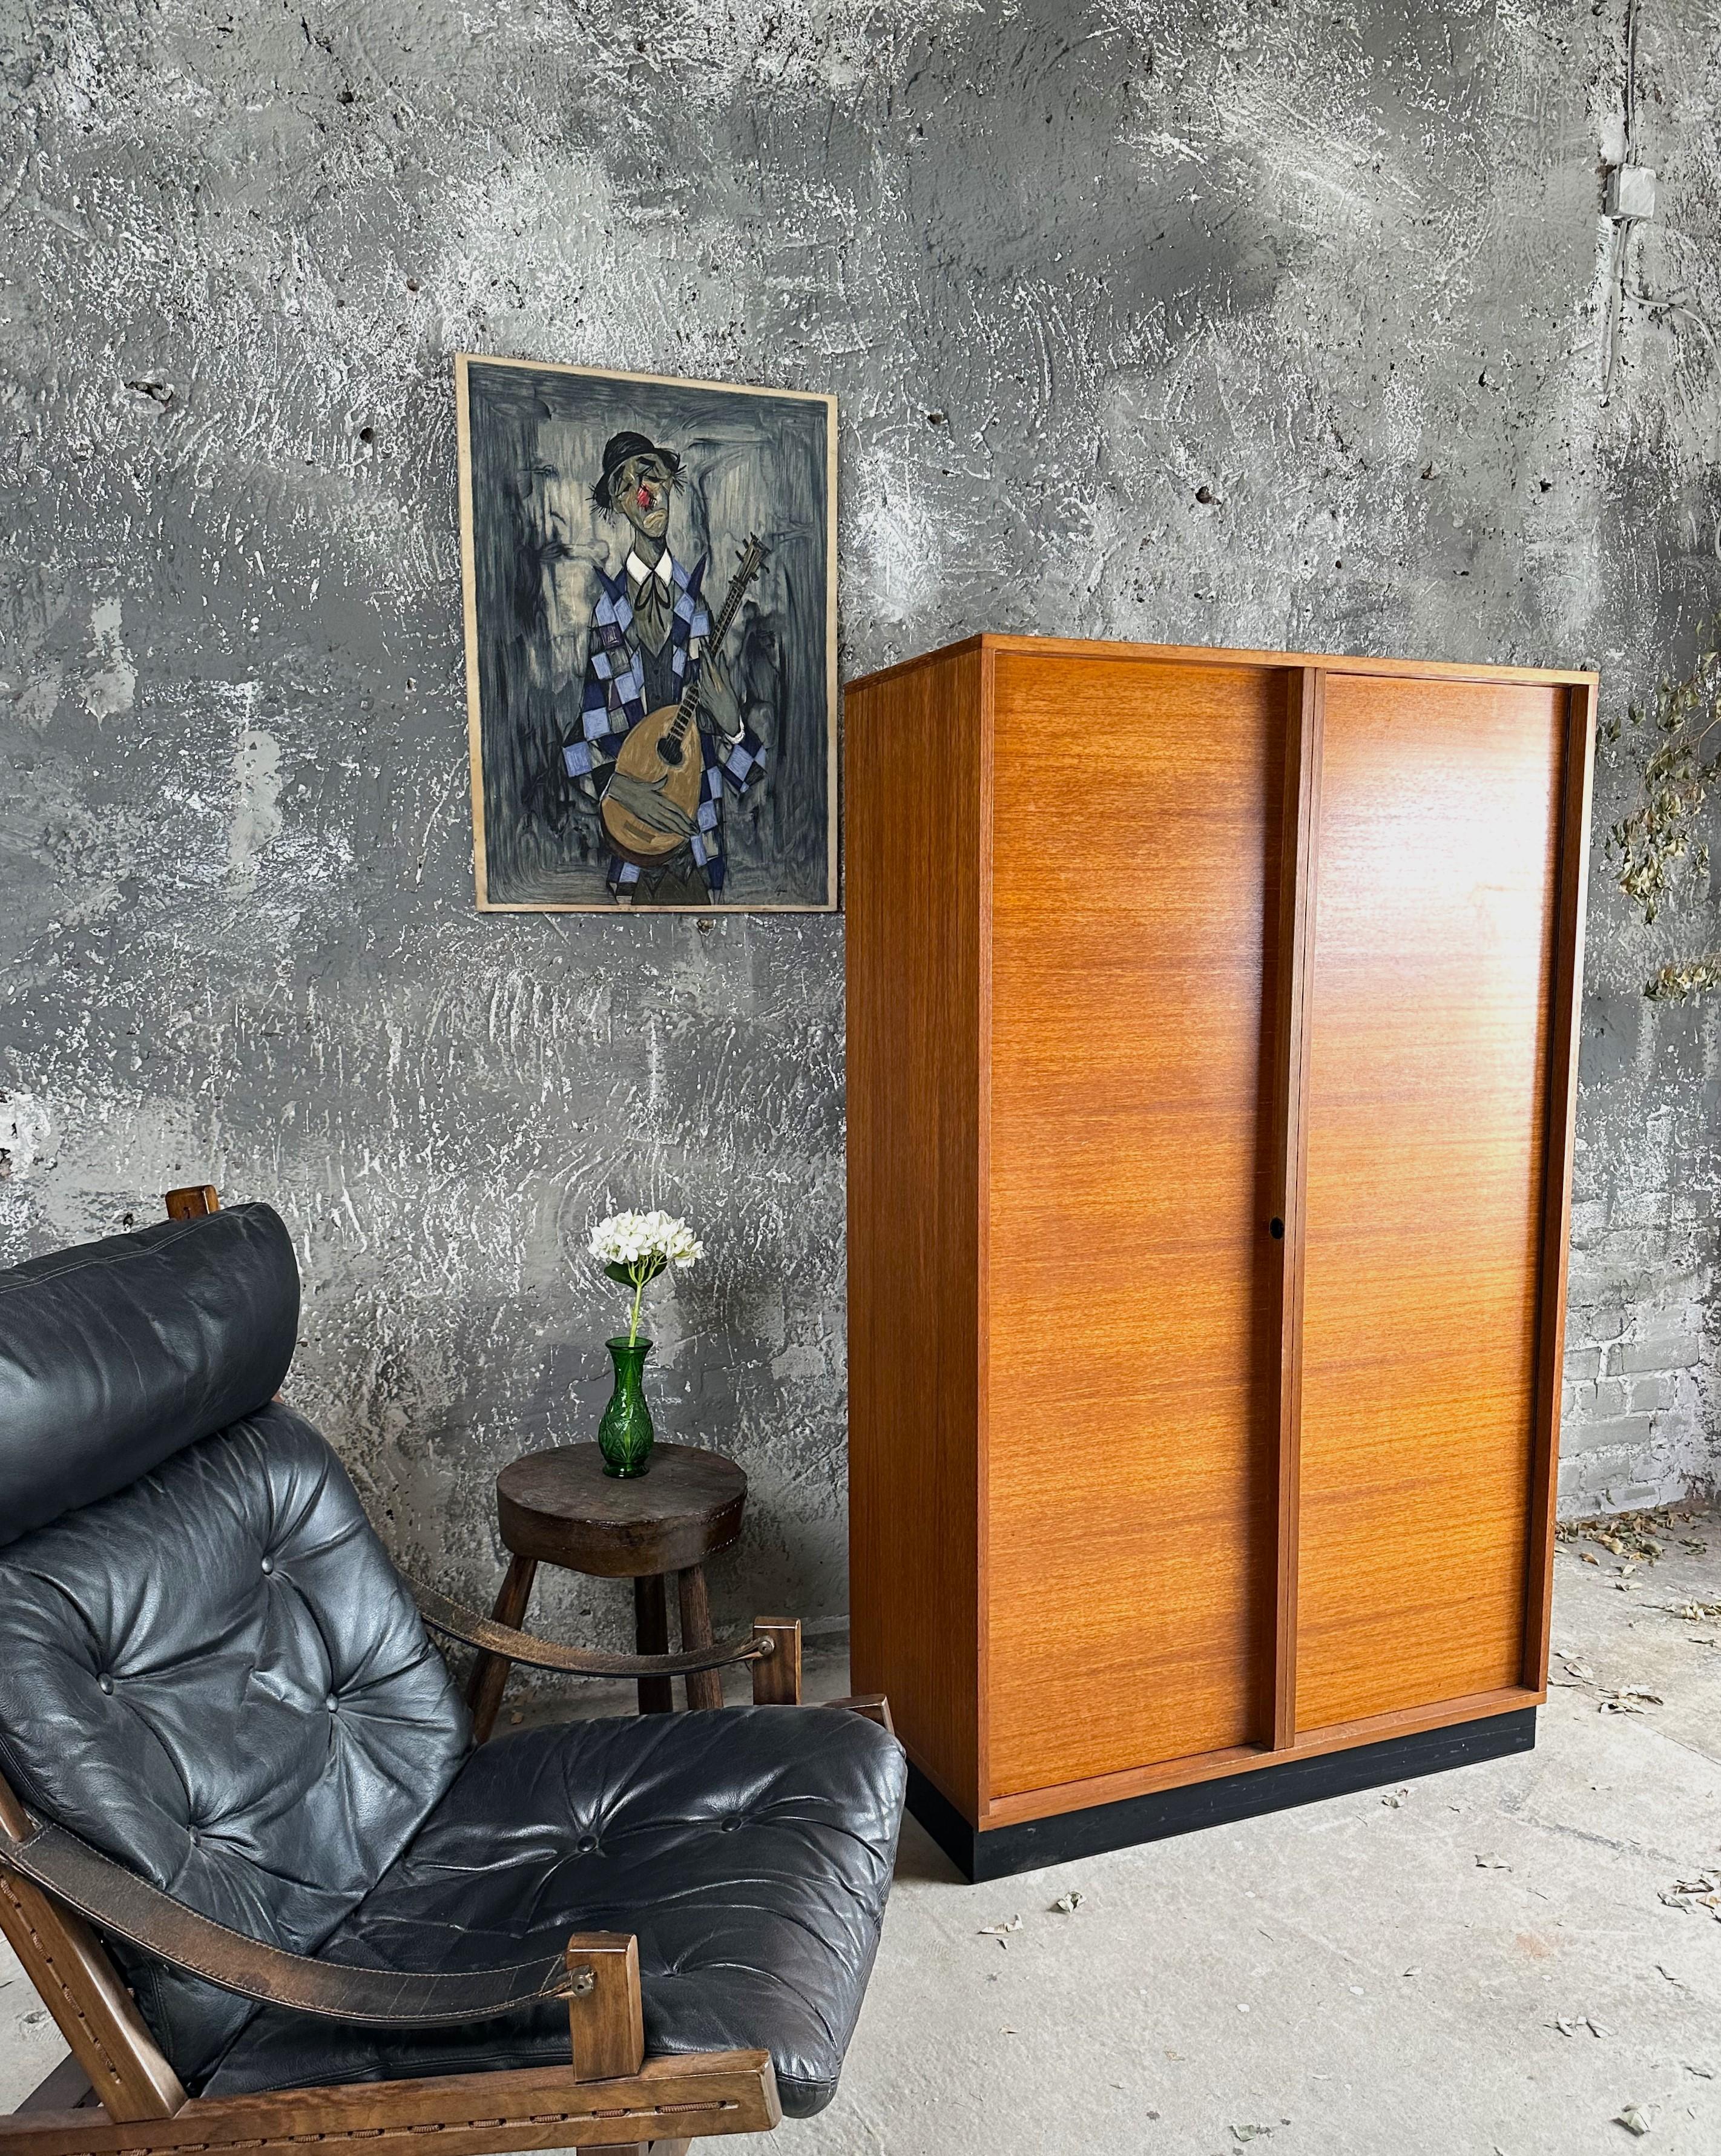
[650, 807]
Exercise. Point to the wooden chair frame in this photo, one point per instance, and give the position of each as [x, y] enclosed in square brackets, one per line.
[117, 2094]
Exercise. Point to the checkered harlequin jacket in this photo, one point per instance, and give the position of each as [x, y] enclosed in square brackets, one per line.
[612, 699]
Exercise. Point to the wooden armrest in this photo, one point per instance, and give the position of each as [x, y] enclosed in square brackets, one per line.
[118, 1901]
[191, 1201]
[605, 2017]
[776, 1677]
[484, 1633]
[870, 1706]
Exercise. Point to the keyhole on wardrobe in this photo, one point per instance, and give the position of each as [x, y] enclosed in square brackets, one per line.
[1275, 1228]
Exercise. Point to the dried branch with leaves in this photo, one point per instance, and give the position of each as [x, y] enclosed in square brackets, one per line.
[1657, 839]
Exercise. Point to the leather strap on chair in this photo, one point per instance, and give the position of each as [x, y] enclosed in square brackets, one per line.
[467, 1626]
[118, 1902]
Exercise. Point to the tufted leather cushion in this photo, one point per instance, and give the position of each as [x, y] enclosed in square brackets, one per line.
[749, 1848]
[117, 1354]
[209, 1669]
[216, 1675]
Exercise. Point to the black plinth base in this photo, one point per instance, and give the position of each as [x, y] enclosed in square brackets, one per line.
[1100, 1827]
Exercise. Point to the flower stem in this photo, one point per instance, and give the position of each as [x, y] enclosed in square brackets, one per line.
[640, 1278]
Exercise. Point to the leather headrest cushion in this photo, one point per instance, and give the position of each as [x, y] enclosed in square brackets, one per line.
[115, 1355]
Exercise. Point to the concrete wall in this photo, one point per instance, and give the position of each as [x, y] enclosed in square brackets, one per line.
[1274, 324]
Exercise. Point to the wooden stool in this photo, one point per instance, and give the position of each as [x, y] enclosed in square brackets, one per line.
[559, 1508]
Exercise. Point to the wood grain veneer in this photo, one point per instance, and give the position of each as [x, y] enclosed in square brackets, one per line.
[1209, 655]
[1566, 990]
[1150, 947]
[1292, 973]
[1214, 1766]
[1434, 941]
[1129, 1465]
[916, 793]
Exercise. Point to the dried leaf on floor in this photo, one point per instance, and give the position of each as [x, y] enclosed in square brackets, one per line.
[1252, 2133]
[1629, 1699]
[997, 1932]
[1634, 1534]
[1701, 1892]
[1491, 1864]
[1632, 2120]
[1629, 1534]
[1067, 1905]
[1702, 2073]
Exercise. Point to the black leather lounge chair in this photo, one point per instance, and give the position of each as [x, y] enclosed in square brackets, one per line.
[249, 1853]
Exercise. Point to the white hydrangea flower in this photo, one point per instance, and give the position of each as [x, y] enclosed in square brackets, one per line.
[632, 1239]
[634, 1248]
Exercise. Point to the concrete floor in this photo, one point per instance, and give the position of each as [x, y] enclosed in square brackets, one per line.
[1384, 1972]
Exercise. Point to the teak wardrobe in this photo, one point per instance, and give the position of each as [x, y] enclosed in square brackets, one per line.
[1212, 1068]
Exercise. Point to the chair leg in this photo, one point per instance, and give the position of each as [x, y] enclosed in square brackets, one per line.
[704, 1687]
[490, 1672]
[651, 1633]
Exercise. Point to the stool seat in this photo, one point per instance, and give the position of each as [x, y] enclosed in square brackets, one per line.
[559, 1508]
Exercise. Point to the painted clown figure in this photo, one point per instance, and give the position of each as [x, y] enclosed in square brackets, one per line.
[646, 646]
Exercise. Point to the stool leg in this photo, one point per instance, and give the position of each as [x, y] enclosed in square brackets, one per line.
[490, 1672]
[704, 1687]
[651, 1634]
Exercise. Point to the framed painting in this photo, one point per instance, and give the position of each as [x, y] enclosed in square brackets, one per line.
[650, 576]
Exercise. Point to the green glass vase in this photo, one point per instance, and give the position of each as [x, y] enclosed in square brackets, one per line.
[625, 1435]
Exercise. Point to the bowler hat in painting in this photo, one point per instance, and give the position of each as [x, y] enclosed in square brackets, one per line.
[616, 451]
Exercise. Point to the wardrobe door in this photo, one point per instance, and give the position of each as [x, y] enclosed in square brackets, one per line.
[1431, 996]
[1128, 1560]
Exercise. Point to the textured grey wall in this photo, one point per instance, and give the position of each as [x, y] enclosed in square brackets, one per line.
[1274, 325]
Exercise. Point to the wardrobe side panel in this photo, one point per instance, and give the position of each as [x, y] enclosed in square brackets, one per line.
[1434, 936]
[914, 745]
[1131, 1458]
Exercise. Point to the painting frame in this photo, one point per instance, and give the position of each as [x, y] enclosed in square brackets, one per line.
[828, 901]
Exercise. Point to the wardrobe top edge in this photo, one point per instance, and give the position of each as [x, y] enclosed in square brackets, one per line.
[1072, 647]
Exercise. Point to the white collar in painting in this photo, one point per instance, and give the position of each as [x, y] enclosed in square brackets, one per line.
[641, 572]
